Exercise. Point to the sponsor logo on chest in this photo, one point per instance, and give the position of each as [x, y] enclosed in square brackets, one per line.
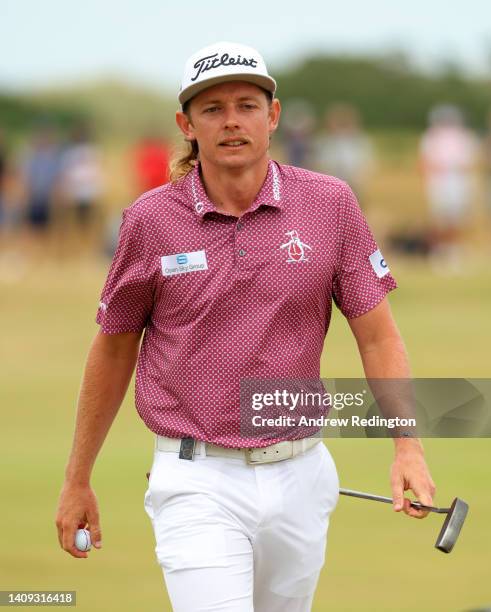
[295, 248]
[182, 263]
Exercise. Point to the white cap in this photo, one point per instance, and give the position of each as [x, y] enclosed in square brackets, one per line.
[221, 62]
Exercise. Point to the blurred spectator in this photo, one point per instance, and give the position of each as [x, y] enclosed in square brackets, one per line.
[448, 153]
[81, 180]
[14, 244]
[80, 189]
[3, 170]
[11, 197]
[40, 171]
[297, 127]
[487, 163]
[151, 162]
[343, 150]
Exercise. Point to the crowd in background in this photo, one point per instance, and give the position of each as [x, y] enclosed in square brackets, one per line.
[451, 157]
[53, 191]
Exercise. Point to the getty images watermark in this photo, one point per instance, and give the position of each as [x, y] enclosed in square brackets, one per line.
[301, 401]
[423, 407]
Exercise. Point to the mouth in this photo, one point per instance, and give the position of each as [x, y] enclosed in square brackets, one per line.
[234, 143]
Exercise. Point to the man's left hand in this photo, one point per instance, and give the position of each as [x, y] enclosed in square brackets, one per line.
[409, 471]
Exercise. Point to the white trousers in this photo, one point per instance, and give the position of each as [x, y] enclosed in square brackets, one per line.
[232, 537]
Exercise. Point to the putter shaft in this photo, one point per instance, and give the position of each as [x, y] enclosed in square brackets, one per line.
[389, 500]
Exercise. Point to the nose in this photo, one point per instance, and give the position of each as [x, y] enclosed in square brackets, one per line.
[231, 118]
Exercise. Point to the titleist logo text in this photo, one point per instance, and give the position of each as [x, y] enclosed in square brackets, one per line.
[213, 61]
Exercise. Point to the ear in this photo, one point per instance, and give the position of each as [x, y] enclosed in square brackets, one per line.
[274, 115]
[185, 125]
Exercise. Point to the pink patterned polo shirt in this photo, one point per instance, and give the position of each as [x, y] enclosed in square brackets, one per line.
[223, 298]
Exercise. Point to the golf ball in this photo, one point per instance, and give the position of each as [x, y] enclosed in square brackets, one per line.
[82, 540]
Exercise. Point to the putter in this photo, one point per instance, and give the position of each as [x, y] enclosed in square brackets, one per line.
[451, 527]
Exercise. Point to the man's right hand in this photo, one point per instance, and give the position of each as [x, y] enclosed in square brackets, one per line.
[110, 365]
[77, 508]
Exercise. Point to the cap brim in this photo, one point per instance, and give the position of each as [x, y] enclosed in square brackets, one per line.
[267, 83]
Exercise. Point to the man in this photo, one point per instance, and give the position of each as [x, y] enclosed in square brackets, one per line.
[343, 148]
[150, 160]
[81, 186]
[240, 522]
[41, 169]
[448, 155]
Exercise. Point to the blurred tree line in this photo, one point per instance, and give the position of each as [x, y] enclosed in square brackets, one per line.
[19, 113]
[389, 92]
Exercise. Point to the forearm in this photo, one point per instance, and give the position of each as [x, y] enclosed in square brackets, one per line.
[105, 381]
[388, 359]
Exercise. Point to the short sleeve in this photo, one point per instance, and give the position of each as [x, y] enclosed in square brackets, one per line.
[127, 297]
[362, 277]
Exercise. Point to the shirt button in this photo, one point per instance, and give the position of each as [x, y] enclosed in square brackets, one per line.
[239, 226]
[242, 252]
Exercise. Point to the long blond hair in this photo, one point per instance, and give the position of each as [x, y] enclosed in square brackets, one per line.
[183, 159]
[184, 156]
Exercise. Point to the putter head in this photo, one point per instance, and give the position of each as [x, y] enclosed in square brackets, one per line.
[451, 527]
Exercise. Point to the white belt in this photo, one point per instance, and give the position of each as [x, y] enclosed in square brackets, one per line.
[276, 452]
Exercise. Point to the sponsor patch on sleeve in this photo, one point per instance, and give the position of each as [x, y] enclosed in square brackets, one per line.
[379, 264]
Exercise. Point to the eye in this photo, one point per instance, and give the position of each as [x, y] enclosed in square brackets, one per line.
[249, 106]
[211, 109]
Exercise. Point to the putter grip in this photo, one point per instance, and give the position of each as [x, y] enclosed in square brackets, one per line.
[420, 506]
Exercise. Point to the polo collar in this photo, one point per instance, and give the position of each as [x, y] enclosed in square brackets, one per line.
[270, 193]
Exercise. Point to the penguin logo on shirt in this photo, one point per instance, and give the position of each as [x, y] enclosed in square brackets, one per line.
[296, 248]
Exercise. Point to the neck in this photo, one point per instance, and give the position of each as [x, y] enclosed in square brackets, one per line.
[233, 190]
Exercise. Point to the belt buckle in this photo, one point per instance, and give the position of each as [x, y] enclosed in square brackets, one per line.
[187, 448]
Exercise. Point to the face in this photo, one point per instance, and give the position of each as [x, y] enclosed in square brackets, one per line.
[232, 123]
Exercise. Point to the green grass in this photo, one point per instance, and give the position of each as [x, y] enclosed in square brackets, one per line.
[376, 560]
